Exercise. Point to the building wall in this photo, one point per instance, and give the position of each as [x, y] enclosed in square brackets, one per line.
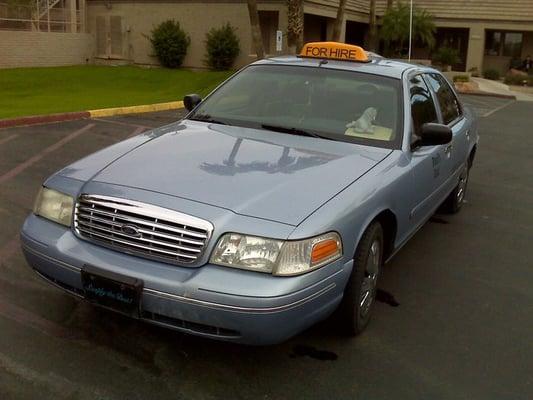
[41, 49]
[196, 18]
[494, 10]
[482, 10]
[476, 47]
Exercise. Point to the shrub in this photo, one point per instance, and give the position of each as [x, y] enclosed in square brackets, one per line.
[474, 72]
[515, 63]
[170, 43]
[461, 78]
[521, 80]
[222, 45]
[446, 56]
[492, 74]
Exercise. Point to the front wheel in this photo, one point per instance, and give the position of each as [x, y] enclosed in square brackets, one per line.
[360, 293]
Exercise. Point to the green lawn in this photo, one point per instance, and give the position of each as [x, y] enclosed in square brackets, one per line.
[33, 91]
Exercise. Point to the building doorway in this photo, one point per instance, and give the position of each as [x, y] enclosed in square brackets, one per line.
[268, 21]
[356, 33]
[316, 28]
[455, 38]
[109, 32]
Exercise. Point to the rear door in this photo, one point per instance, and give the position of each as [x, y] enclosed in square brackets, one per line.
[452, 115]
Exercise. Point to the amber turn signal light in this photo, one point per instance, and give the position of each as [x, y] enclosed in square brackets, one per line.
[324, 250]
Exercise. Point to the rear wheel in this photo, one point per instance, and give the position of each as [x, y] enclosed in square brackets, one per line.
[455, 200]
[360, 293]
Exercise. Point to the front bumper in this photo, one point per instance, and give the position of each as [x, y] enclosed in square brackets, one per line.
[210, 301]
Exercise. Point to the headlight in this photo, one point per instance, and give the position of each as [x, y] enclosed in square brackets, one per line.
[277, 257]
[54, 206]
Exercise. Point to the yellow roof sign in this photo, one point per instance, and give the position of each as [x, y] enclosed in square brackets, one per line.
[334, 51]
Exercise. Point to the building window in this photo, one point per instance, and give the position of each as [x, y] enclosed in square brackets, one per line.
[507, 44]
[512, 45]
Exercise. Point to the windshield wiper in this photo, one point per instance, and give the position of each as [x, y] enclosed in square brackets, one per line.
[206, 118]
[292, 131]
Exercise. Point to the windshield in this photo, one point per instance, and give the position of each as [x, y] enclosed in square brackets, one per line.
[333, 104]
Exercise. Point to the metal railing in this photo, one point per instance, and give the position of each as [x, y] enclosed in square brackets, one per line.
[53, 18]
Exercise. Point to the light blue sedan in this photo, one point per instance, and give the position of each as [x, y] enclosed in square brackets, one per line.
[275, 202]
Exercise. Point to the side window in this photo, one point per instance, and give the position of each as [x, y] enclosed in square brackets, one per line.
[449, 105]
[422, 107]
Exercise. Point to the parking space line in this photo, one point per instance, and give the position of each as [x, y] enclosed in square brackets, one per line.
[137, 131]
[7, 139]
[109, 121]
[497, 109]
[28, 163]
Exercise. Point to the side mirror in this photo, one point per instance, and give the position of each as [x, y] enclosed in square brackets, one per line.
[191, 101]
[434, 134]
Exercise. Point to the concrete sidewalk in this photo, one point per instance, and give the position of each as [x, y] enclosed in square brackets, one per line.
[489, 86]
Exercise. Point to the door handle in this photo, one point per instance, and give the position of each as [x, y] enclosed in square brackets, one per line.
[448, 150]
[468, 135]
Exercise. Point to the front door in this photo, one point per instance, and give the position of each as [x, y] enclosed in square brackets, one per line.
[109, 37]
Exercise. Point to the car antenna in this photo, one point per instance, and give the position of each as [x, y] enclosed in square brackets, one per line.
[322, 62]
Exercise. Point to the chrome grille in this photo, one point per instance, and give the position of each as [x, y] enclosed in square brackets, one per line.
[141, 229]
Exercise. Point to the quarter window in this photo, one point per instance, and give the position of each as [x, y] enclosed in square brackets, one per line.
[422, 106]
[449, 105]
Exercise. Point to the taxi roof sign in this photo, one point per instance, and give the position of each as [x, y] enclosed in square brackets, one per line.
[334, 51]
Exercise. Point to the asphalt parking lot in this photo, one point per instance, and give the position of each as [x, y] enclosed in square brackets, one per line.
[454, 318]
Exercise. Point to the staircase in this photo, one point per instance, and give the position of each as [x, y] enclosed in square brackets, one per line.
[44, 5]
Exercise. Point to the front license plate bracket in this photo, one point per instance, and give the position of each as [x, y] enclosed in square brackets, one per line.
[110, 290]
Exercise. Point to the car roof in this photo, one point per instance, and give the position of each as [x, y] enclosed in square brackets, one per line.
[377, 65]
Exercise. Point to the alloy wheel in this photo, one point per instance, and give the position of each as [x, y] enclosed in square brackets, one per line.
[369, 284]
[461, 189]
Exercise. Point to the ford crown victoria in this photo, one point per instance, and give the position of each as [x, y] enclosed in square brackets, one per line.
[274, 203]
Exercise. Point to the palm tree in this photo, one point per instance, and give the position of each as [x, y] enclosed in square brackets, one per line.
[295, 26]
[337, 26]
[395, 28]
[372, 33]
[257, 39]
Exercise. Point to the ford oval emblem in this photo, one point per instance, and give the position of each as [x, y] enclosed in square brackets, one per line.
[130, 230]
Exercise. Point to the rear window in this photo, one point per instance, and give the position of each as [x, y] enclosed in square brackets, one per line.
[340, 105]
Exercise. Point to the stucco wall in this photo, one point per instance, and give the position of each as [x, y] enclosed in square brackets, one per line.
[139, 18]
[41, 49]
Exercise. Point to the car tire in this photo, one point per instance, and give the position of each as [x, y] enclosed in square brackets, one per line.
[360, 293]
[456, 198]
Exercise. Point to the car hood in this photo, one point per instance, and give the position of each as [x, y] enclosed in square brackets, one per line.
[269, 175]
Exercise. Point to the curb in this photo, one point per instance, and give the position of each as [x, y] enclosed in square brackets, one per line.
[103, 112]
[488, 94]
[111, 112]
[43, 119]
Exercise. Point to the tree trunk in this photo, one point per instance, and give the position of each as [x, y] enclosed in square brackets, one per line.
[372, 34]
[295, 26]
[337, 26]
[257, 39]
[386, 50]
